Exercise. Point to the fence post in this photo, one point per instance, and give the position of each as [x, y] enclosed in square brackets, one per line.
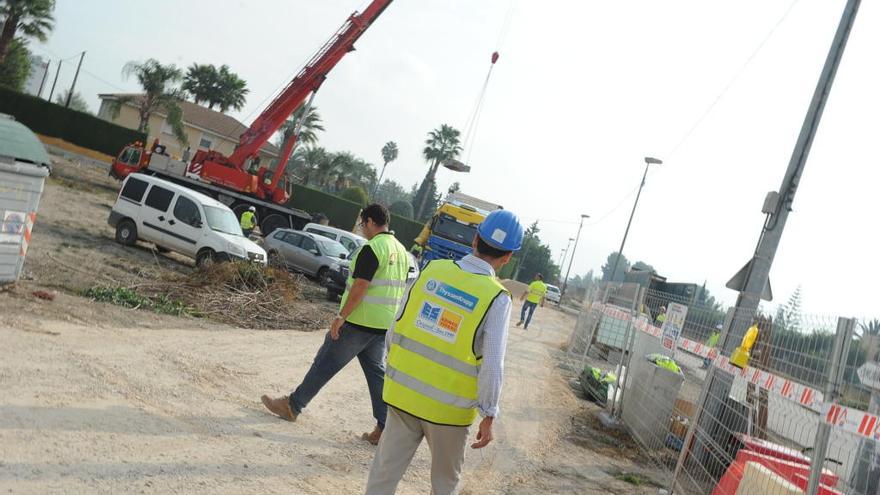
[698, 410]
[594, 325]
[845, 327]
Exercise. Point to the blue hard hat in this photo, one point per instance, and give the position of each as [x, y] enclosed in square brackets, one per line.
[502, 230]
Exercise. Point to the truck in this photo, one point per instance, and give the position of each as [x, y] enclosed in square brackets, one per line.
[240, 180]
[451, 229]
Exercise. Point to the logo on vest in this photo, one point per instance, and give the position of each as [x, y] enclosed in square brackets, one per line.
[439, 321]
[452, 295]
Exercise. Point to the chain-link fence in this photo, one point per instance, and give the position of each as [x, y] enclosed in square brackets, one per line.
[798, 415]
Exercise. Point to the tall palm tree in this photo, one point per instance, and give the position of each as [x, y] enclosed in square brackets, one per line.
[308, 133]
[161, 93]
[870, 334]
[345, 167]
[389, 154]
[442, 144]
[32, 17]
[232, 90]
[324, 171]
[200, 82]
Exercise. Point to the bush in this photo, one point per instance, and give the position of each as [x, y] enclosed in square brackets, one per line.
[74, 127]
[356, 195]
[403, 208]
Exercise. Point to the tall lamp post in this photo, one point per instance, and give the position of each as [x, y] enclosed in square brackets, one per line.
[648, 162]
[573, 250]
[564, 252]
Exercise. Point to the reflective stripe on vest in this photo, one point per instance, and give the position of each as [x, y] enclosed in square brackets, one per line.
[379, 305]
[432, 369]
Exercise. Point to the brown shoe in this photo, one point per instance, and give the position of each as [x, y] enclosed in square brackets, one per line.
[279, 406]
[374, 436]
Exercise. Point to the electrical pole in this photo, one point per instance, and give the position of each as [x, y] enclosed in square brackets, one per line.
[75, 76]
[57, 71]
[753, 280]
[43, 80]
[574, 250]
[564, 252]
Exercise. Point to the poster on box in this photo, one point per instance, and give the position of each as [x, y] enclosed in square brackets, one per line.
[12, 227]
[675, 316]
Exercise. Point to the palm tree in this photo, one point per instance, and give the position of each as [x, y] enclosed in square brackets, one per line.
[345, 166]
[308, 133]
[325, 169]
[200, 82]
[218, 88]
[32, 17]
[389, 154]
[77, 102]
[232, 91]
[160, 94]
[442, 144]
[869, 338]
[306, 162]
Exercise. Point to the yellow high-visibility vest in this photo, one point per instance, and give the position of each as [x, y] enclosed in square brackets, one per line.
[248, 221]
[432, 368]
[379, 306]
[537, 291]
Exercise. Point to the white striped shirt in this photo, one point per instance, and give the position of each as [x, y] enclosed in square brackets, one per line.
[491, 340]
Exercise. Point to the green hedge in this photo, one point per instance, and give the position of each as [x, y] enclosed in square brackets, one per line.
[343, 213]
[74, 127]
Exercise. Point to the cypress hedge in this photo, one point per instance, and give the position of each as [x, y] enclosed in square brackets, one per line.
[342, 213]
[81, 129]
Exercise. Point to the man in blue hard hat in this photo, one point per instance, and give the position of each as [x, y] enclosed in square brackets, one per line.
[445, 359]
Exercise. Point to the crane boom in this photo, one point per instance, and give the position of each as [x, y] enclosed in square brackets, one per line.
[307, 81]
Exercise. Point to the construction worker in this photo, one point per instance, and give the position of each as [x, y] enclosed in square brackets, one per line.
[445, 359]
[376, 284]
[711, 342]
[248, 221]
[535, 295]
[661, 317]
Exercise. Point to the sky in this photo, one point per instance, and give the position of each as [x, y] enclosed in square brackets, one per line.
[582, 92]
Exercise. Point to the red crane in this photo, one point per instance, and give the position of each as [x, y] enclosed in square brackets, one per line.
[236, 170]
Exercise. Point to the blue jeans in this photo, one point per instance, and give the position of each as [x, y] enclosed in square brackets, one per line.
[530, 307]
[334, 355]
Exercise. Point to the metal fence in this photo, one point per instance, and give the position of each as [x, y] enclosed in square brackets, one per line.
[796, 419]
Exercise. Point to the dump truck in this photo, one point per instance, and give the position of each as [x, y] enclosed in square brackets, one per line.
[451, 229]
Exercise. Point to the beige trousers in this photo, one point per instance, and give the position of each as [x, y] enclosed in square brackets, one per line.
[402, 436]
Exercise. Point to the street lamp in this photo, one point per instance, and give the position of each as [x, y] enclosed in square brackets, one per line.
[648, 162]
[574, 250]
[564, 252]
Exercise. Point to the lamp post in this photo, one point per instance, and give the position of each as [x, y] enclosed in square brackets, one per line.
[573, 250]
[564, 252]
[648, 162]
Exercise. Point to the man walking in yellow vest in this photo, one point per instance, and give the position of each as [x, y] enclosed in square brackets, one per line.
[376, 283]
[536, 294]
[445, 360]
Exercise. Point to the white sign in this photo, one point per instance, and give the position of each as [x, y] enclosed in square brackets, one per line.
[12, 227]
[869, 375]
[672, 325]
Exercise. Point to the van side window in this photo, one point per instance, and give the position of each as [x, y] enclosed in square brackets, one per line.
[159, 198]
[328, 235]
[187, 211]
[291, 238]
[134, 189]
[348, 244]
[279, 235]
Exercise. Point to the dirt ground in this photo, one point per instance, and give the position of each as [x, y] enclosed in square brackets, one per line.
[96, 398]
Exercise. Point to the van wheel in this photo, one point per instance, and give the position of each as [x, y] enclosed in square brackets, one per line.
[126, 233]
[205, 258]
[322, 275]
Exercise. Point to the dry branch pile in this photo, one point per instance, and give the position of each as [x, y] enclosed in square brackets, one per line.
[242, 294]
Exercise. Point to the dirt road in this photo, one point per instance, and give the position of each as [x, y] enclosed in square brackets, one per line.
[87, 409]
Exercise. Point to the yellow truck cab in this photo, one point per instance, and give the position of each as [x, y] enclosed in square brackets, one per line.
[450, 231]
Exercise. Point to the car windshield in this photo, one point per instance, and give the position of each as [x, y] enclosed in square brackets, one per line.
[552, 288]
[333, 249]
[448, 227]
[222, 220]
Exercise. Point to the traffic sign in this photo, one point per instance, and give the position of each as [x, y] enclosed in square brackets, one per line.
[869, 375]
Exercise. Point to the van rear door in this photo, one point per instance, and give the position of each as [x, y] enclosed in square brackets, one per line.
[154, 217]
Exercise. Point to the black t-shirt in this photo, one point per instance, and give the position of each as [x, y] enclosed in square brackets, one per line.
[365, 267]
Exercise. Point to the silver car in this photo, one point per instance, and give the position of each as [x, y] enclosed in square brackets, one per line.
[311, 254]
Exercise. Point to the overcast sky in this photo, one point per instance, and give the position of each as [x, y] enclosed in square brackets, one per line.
[582, 92]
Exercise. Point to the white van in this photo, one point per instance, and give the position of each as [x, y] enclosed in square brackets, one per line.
[178, 219]
[344, 237]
